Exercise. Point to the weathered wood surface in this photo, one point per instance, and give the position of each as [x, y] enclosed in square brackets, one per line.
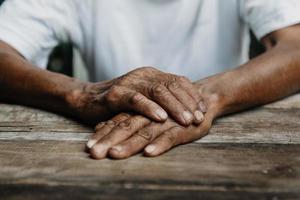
[212, 170]
[274, 123]
[251, 155]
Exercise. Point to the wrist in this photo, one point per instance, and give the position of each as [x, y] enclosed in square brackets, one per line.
[76, 94]
[225, 91]
[213, 97]
[84, 100]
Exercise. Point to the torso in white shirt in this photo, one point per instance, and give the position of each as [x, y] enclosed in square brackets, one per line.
[195, 38]
[192, 38]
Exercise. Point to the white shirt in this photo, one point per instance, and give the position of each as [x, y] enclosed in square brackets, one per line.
[195, 38]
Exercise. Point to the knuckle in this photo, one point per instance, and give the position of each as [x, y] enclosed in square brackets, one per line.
[148, 68]
[173, 85]
[158, 90]
[171, 139]
[127, 125]
[146, 134]
[191, 105]
[111, 124]
[113, 95]
[174, 136]
[143, 70]
[133, 124]
[125, 80]
[183, 79]
[137, 98]
[124, 116]
[172, 78]
[114, 89]
[99, 126]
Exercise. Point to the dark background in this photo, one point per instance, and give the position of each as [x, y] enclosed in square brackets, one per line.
[61, 59]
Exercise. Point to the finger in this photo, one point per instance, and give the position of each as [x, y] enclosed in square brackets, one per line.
[190, 88]
[188, 101]
[144, 106]
[138, 141]
[167, 140]
[104, 128]
[193, 92]
[168, 101]
[118, 134]
[122, 99]
[203, 107]
[176, 136]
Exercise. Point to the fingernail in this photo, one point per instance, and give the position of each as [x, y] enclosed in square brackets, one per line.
[188, 117]
[117, 148]
[100, 151]
[150, 148]
[161, 114]
[91, 143]
[202, 107]
[198, 115]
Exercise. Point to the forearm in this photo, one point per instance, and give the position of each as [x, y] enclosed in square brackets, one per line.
[267, 78]
[23, 83]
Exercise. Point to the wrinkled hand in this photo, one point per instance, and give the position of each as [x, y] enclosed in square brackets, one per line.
[146, 91]
[126, 134]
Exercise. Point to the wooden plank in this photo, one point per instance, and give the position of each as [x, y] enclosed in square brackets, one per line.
[42, 157]
[289, 102]
[42, 192]
[263, 125]
[36, 169]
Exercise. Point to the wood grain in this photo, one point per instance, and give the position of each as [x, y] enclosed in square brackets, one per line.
[262, 125]
[209, 170]
[249, 155]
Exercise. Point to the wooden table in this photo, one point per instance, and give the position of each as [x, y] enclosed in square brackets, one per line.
[251, 155]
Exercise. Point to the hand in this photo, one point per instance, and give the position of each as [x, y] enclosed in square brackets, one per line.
[146, 91]
[126, 134]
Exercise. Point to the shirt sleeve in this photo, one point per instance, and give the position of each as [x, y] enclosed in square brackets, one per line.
[35, 27]
[266, 16]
